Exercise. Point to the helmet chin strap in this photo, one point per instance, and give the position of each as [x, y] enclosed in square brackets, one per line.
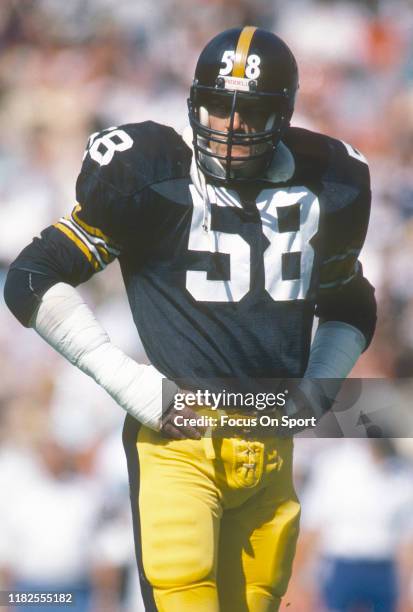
[270, 122]
[243, 170]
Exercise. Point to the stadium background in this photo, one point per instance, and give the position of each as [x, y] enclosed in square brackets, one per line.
[70, 68]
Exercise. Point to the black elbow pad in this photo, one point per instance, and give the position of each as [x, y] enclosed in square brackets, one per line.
[354, 304]
[23, 292]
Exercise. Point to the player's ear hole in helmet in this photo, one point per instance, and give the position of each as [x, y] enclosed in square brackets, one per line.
[248, 73]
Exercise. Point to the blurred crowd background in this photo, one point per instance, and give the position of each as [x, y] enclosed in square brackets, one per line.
[68, 69]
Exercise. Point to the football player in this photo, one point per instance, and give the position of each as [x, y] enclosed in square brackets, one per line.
[230, 240]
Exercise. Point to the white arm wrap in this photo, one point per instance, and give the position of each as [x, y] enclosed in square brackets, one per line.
[69, 326]
[335, 350]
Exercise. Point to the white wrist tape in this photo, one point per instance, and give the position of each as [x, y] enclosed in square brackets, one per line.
[69, 326]
[335, 350]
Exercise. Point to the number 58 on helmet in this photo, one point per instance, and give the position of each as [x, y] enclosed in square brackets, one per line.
[242, 70]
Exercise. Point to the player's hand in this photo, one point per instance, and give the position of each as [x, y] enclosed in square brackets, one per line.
[180, 429]
[308, 402]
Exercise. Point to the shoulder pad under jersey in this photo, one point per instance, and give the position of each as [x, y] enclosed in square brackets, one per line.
[328, 160]
[130, 157]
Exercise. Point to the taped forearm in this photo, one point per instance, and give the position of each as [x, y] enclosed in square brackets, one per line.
[335, 349]
[334, 352]
[67, 324]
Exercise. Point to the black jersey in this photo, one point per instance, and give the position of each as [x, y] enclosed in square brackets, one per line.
[223, 281]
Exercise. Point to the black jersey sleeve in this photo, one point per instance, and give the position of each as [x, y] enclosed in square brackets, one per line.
[119, 163]
[108, 194]
[47, 260]
[344, 294]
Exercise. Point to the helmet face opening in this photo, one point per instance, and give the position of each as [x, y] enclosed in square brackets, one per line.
[264, 103]
[265, 116]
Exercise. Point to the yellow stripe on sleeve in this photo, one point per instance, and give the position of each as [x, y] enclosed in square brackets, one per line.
[106, 256]
[72, 236]
[93, 231]
[241, 52]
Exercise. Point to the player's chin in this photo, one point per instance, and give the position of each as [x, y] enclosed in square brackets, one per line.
[239, 154]
[237, 161]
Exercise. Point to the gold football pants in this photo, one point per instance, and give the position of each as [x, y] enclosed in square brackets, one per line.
[214, 531]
